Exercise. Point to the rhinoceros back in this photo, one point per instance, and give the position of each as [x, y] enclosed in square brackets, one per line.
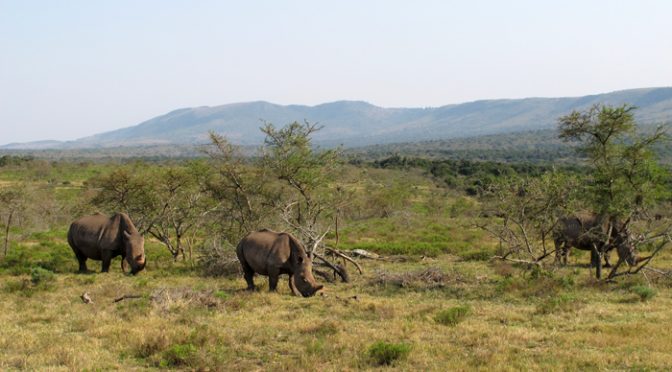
[92, 234]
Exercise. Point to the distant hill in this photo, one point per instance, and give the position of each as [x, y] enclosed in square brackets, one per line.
[354, 123]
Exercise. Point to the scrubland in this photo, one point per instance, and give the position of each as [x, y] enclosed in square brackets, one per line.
[437, 301]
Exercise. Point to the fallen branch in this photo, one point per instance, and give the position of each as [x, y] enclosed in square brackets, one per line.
[127, 297]
[645, 260]
[324, 275]
[338, 253]
[337, 268]
[505, 258]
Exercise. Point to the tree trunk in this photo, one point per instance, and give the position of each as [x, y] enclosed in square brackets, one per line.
[9, 222]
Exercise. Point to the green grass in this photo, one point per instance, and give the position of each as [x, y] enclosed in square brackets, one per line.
[452, 316]
[178, 355]
[386, 353]
[392, 316]
[645, 293]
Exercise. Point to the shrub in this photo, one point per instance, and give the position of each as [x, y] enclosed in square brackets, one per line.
[386, 353]
[22, 285]
[40, 276]
[219, 259]
[476, 255]
[180, 354]
[221, 295]
[645, 293]
[430, 278]
[560, 303]
[453, 315]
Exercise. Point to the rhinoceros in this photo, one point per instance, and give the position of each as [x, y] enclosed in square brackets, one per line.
[102, 238]
[271, 253]
[587, 230]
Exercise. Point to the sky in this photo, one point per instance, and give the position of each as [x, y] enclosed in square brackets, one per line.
[70, 69]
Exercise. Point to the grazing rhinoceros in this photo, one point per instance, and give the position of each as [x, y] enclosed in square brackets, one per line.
[587, 230]
[102, 238]
[270, 253]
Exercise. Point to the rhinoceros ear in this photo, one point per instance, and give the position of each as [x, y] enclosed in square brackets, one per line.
[127, 235]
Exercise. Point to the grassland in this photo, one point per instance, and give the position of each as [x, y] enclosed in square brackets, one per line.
[444, 306]
[562, 320]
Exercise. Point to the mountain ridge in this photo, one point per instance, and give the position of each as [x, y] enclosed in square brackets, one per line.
[359, 123]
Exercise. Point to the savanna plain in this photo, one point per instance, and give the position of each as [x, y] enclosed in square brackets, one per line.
[433, 298]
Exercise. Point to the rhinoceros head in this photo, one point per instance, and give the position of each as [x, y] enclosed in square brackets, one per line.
[303, 278]
[134, 247]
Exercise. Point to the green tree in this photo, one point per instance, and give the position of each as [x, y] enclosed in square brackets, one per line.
[168, 202]
[307, 173]
[527, 211]
[127, 189]
[241, 189]
[181, 206]
[626, 179]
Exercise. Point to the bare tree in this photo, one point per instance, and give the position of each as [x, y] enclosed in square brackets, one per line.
[12, 205]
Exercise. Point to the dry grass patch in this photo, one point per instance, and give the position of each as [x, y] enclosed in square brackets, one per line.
[173, 326]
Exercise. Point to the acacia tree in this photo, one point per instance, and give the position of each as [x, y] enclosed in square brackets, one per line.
[625, 180]
[182, 205]
[168, 204]
[240, 188]
[312, 201]
[289, 154]
[127, 189]
[291, 184]
[527, 212]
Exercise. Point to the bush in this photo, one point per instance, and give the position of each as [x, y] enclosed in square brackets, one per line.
[180, 354]
[645, 293]
[385, 353]
[453, 315]
[40, 276]
[561, 303]
[219, 259]
[476, 255]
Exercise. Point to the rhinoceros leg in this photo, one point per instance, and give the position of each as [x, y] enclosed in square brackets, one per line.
[273, 276]
[561, 252]
[107, 259]
[606, 259]
[248, 274]
[81, 258]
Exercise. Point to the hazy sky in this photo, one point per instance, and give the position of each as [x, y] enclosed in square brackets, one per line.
[69, 69]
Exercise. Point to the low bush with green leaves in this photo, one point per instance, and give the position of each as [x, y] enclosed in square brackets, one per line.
[645, 293]
[559, 303]
[178, 355]
[452, 316]
[386, 353]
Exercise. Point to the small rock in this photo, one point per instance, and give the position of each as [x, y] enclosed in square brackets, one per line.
[85, 298]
